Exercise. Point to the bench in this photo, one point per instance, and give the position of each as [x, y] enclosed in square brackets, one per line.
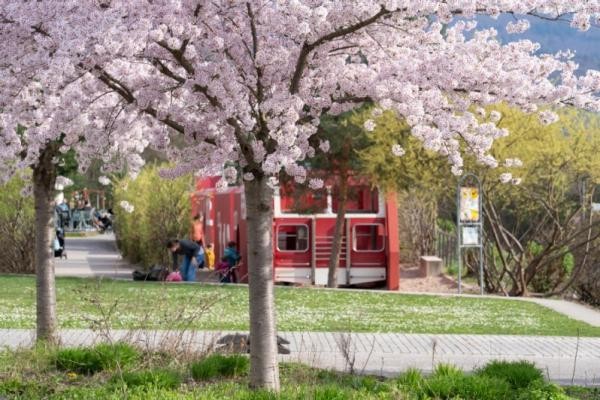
[430, 266]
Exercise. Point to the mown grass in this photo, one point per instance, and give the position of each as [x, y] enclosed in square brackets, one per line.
[226, 308]
[32, 375]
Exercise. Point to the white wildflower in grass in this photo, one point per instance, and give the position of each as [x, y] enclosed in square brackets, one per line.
[104, 180]
[125, 205]
[506, 177]
[516, 181]
[369, 125]
[397, 150]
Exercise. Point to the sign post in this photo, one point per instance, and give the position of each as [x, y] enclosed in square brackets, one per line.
[469, 222]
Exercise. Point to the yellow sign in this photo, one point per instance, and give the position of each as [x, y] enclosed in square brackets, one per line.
[469, 204]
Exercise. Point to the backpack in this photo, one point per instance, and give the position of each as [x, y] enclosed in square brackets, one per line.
[156, 273]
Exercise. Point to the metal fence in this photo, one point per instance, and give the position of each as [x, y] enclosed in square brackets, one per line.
[445, 246]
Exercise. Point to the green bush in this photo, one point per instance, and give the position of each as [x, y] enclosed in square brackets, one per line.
[158, 378]
[519, 374]
[162, 211]
[218, 365]
[17, 228]
[99, 358]
[539, 390]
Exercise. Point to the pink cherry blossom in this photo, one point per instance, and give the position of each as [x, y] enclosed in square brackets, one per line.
[207, 83]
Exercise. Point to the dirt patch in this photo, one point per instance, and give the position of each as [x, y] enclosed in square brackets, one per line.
[411, 281]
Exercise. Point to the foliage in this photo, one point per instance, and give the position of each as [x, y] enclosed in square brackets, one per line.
[161, 380]
[539, 209]
[161, 211]
[519, 374]
[544, 218]
[216, 365]
[496, 380]
[99, 358]
[17, 230]
[156, 378]
[298, 309]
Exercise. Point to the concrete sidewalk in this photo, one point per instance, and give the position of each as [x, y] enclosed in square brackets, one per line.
[561, 358]
[92, 256]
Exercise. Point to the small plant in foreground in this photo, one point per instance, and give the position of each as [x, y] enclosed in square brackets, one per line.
[99, 358]
[519, 374]
[412, 380]
[447, 370]
[158, 378]
[217, 365]
[467, 387]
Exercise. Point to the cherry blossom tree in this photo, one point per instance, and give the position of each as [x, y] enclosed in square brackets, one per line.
[245, 82]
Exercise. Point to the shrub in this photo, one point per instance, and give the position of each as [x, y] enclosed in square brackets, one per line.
[467, 387]
[161, 212]
[17, 228]
[519, 374]
[539, 390]
[218, 365]
[99, 358]
[158, 378]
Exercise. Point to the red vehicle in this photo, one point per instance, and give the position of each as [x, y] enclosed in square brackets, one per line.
[303, 226]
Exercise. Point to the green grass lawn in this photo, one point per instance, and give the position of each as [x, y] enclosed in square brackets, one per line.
[82, 302]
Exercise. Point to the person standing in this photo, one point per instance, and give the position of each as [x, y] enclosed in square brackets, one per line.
[232, 257]
[189, 250]
[209, 256]
[198, 229]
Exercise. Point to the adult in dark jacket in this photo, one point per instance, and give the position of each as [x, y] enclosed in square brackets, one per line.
[189, 250]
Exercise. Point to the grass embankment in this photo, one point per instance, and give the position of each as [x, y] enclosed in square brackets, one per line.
[81, 301]
[120, 371]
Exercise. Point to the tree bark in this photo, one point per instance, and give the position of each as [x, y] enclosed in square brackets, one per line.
[338, 234]
[44, 178]
[264, 367]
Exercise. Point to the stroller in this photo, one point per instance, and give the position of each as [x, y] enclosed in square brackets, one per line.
[59, 244]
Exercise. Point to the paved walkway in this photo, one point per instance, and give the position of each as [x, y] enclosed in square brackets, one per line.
[573, 310]
[92, 256]
[561, 358]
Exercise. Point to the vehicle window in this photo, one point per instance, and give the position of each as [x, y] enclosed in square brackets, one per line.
[292, 238]
[368, 237]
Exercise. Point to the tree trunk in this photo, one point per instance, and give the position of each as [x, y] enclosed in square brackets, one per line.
[44, 178]
[264, 367]
[338, 234]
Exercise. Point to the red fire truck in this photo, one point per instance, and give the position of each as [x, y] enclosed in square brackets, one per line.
[303, 226]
